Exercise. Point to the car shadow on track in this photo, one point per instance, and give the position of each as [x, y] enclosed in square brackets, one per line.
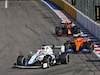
[93, 60]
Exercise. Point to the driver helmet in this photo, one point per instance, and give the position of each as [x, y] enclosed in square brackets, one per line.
[67, 22]
[70, 22]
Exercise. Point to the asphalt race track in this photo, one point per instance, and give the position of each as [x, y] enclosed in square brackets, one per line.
[27, 24]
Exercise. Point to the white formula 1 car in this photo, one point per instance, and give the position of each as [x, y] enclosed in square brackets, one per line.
[44, 58]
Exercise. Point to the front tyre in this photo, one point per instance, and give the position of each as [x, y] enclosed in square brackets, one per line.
[64, 58]
[47, 62]
[21, 60]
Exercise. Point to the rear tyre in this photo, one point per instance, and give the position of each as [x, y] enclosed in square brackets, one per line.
[78, 30]
[64, 58]
[67, 45]
[58, 30]
[75, 28]
[72, 30]
[21, 60]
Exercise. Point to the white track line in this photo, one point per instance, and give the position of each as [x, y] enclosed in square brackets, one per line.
[53, 10]
[6, 2]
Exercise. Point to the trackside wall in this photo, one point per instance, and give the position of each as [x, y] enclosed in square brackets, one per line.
[89, 24]
[93, 27]
[67, 7]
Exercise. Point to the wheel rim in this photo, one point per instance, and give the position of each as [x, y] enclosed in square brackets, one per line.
[49, 62]
[23, 61]
[67, 58]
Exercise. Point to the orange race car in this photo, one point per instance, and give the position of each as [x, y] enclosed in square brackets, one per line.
[81, 43]
[67, 29]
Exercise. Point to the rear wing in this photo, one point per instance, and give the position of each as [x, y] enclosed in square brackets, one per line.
[54, 46]
[78, 35]
[62, 47]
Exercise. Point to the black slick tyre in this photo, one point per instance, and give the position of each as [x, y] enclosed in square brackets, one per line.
[21, 60]
[78, 30]
[48, 60]
[90, 45]
[58, 30]
[67, 45]
[64, 58]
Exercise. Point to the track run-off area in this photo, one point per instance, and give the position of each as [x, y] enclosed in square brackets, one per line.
[27, 24]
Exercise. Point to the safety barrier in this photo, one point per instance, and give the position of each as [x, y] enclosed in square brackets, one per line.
[67, 7]
[90, 25]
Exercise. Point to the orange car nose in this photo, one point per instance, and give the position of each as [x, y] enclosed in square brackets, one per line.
[78, 43]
